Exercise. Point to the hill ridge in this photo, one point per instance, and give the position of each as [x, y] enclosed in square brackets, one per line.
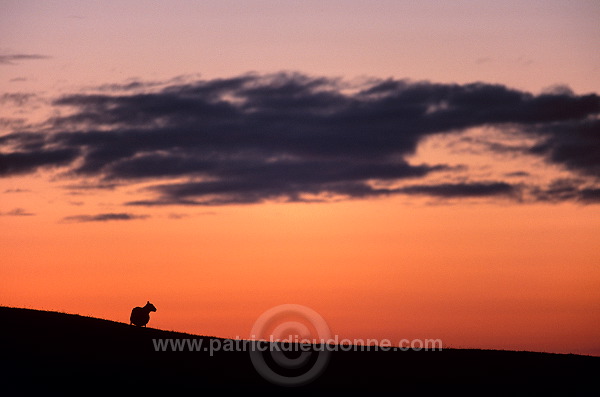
[47, 350]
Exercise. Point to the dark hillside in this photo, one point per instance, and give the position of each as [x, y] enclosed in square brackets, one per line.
[62, 353]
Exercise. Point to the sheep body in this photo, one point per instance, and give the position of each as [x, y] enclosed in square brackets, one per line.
[141, 315]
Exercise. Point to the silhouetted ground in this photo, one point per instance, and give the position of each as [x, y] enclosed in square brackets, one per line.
[59, 353]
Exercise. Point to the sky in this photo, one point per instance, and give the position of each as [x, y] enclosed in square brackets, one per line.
[408, 170]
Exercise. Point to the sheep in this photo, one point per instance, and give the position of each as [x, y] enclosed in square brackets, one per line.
[141, 315]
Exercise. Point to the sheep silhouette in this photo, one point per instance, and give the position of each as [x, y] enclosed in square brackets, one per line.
[141, 315]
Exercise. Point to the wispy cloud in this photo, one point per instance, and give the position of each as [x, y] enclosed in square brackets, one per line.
[13, 59]
[104, 217]
[17, 98]
[17, 190]
[17, 212]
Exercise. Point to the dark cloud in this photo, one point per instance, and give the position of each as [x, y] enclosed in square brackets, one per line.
[461, 190]
[517, 174]
[250, 182]
[293, 137]
[576, 145]
[91, 186]
[104, 217]
[566, 189]
[590, 195]
[24, 162]
[222, 193]
[12, 59]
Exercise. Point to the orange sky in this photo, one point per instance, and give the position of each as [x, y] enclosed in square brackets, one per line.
[481, 275]
[475, 273]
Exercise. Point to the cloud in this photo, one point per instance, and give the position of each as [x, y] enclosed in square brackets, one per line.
[11, 123]
[564, 189]
[13, 59]
[17, 190]
[183, 216]
[16, 212]
[21, 162]
[293, 137]
[16, 98]
[255, 181]
[94, 186]
[104, 217]
[576, 145]
[590, 195]
[461, 190]
[517, 174]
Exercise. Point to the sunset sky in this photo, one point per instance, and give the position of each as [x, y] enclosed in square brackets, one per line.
[406, 169]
